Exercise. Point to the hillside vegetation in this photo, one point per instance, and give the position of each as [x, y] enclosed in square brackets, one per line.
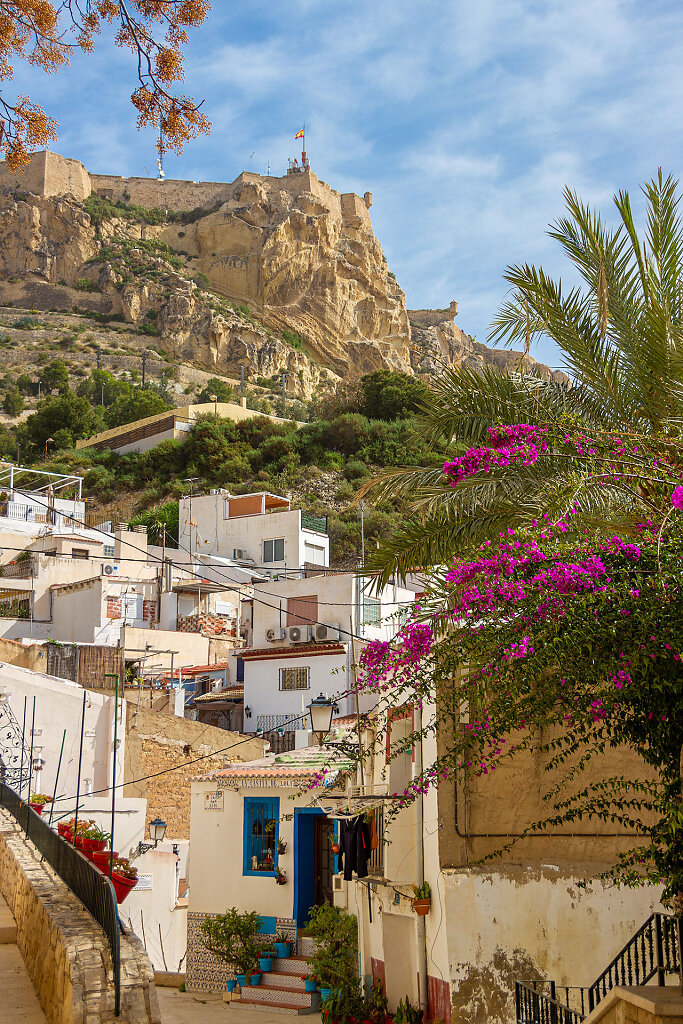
[363, 426]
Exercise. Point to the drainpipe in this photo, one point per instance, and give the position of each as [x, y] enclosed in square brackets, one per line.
[419, 837]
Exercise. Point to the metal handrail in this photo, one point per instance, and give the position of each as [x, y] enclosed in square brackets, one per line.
[85, 881]
[653, 951]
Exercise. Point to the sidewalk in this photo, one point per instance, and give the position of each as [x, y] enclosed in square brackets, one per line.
[200, 1008]
[19, 1004]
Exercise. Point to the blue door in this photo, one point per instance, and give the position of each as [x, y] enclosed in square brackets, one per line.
[313, 861]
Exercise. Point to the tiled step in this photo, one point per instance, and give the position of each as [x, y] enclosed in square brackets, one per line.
[291, 965]
[274, 979]
[272, 995]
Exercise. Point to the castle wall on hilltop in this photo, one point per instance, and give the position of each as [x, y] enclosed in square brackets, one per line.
[49, 174]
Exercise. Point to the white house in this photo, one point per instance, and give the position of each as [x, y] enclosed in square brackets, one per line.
[260, 529]
[303, 638]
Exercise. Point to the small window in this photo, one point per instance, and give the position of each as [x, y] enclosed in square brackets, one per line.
[108, 551]
[260, 835]
[131, 607]
[52, 553]
[372, 611]
[80, 553]
[274, 550]
[294, 678]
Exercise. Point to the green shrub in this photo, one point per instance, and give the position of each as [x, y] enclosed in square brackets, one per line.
[84, 284]
[355, 470]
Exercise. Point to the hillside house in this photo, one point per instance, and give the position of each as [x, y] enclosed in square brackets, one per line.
[303, 638]
[259, 530]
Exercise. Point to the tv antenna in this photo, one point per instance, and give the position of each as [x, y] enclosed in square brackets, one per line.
[160, 158]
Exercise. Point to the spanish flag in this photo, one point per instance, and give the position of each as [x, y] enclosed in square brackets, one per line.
[299, 135]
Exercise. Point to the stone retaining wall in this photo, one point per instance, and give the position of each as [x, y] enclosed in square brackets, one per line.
[65, 951]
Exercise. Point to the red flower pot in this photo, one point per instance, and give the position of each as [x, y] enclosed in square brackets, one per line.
[62, 828]
[38, 808]
[122, 886]
[101, 859]
[78, 842]
[91, 845]
[422, 906]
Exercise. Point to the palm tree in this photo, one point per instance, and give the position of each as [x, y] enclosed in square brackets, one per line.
[620, 335]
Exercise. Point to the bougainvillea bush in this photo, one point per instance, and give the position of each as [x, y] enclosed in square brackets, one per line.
[565, 637]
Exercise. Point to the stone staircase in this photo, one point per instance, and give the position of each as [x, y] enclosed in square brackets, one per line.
[19, 998]
[282, 990]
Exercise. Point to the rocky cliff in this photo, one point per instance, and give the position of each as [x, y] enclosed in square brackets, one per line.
[274, 274]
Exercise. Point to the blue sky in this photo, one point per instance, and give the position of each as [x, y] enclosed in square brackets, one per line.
[465, 119]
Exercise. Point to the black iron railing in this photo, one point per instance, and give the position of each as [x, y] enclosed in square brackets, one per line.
[653, 952]
[85, 881]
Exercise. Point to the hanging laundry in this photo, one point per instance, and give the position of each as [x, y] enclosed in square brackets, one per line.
[354, 842]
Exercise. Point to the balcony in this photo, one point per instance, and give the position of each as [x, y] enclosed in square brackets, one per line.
[309, 521]
[207, 625]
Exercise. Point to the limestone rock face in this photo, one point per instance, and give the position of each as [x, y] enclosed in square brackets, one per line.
[48, 237]
[305, 259]
[223, 344]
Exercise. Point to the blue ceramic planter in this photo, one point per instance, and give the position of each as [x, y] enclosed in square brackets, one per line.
[310, 986]
[282, 949]
[255, 979]
[241, 980]
[325, 994]
[265, 963]
[230, 984]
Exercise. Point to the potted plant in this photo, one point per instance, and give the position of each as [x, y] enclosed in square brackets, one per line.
[234, 938]
[124, 878]
[94, 840]
[281, 846]
[310, 982]
[102, 858]
[80, 828]
[283, 945]
[280, 877]
[334, 845]
[422, 899]
[335, 960]
[38, 801]
[265, 960]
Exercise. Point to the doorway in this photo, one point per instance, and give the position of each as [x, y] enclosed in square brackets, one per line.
[313, 861]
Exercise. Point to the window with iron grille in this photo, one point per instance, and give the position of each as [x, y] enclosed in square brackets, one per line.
[108, 551]
[260, 835]
[371, 611]
[295, 678]
[274, 550]
[376, 865]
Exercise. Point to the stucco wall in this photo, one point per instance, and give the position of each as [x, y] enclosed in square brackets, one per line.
[59, 705]
[64, 949]
[530, 923]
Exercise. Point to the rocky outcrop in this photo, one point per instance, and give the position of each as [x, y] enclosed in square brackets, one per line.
[291, 275]
[438, 342]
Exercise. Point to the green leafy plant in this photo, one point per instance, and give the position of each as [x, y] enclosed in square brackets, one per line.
[40, 798]
[234, 938]
[122, 866]
[335, 960]
[422, 892]
[406, 1013]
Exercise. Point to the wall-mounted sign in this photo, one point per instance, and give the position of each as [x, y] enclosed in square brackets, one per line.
[213, 801]
[144, 882]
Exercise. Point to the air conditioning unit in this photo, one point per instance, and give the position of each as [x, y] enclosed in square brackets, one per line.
[108, 569]
[239, 553]
[323, 632]
[275, 634]
[299, 634]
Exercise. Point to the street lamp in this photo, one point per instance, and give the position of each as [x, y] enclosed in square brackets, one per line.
[321, 710]
[214, 399]
[50, 440]
[157, 831]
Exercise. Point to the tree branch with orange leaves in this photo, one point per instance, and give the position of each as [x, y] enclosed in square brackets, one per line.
[46, 35]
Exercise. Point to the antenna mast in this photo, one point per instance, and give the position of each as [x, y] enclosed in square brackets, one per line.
[160, 158]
